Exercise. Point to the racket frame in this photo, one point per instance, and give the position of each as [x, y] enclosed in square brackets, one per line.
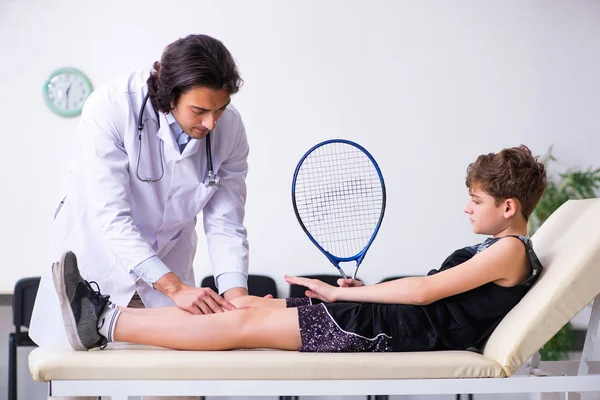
[361, 254]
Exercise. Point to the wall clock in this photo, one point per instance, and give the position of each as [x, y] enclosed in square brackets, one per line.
[66, 90]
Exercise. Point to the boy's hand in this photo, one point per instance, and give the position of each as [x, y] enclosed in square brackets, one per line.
[349, 282]
[316, 289]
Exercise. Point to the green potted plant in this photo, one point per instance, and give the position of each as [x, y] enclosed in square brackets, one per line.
[571, 184]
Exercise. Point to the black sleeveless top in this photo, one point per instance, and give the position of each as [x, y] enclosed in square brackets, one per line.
[467, 319]
[459, 322]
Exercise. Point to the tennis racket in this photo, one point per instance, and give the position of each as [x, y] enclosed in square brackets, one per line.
[338, 196]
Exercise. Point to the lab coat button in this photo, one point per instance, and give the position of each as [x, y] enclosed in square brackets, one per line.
[169, 198]
[177, 161]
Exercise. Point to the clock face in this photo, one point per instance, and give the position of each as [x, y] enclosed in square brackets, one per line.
[66, 90]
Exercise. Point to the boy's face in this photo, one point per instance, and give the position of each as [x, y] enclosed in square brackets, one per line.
[486, 216]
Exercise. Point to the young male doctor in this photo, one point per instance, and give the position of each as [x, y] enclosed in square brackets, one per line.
[153, 150]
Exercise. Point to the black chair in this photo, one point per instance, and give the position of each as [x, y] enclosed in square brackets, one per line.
[258, 285]
[23, 300]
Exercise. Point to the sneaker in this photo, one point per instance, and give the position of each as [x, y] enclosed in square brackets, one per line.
[80, 304]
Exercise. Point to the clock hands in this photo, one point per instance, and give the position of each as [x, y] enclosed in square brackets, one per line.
[67, 95]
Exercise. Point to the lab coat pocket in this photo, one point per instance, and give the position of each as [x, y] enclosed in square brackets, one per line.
[96, 263]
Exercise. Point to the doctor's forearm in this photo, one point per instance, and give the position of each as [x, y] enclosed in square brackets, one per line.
[169, 284]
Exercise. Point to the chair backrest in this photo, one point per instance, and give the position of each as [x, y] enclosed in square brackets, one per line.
[209, 282]
[23, 300]
[258, 285]
[261, 285]
[568, 246]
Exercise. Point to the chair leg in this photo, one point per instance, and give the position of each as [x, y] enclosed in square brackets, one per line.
[12, 367]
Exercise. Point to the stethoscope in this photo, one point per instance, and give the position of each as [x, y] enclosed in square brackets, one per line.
[213, 179]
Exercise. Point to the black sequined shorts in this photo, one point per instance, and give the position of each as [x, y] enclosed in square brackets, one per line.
[341, 327]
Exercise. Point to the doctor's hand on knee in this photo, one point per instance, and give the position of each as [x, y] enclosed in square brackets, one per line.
[200, 301]
[192, 299]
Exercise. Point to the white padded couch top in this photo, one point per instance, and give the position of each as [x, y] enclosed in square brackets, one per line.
[136, 362]
[568, 245]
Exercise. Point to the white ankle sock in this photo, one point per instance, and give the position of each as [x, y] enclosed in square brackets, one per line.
[108, 321]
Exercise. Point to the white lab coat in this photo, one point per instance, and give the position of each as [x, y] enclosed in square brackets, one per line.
[113, 221]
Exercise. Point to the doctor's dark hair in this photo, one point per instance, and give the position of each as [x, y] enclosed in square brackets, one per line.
[511, 173]
[196, 60]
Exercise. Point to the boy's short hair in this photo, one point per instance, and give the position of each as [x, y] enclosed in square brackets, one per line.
[512, 173]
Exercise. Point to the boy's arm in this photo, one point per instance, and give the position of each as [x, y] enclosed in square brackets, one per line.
[502, 261]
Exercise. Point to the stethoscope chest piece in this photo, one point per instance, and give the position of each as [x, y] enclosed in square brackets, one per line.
[212, 180]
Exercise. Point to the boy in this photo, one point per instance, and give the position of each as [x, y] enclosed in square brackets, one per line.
[455, 307]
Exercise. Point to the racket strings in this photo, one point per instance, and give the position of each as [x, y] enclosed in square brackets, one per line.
[339, 198]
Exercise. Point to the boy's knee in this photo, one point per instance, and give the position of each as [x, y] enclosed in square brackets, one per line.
[243, 301]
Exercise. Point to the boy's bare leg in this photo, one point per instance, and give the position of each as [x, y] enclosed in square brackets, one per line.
[156, 312]
[276, 328]
[239, 302]
[260, 302]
